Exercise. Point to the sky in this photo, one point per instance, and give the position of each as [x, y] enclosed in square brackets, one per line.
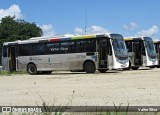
[65, 17]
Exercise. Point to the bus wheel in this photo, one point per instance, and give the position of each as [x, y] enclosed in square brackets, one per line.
[89, 67]
[134, 68]
[129, 67]
[158, 66]
[32, 69]
[151, 67]
[102, 71]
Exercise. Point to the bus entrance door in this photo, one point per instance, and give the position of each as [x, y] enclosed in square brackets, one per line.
[102, 51]
[12, 58]
[137, 49]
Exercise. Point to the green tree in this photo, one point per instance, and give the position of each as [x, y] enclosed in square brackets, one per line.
[11, 30]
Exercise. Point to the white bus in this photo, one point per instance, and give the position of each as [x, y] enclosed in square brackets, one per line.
[141, 52]
[157, 46]
[86, 53]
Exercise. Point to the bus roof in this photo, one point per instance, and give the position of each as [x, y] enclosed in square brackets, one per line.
[57, 38]
[156, 41]
[135, 38]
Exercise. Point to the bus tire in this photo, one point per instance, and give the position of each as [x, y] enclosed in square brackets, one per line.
[134, 68]
[129, 67]
[158, 66]
[32, 69]
[89, 67]
[151, 67]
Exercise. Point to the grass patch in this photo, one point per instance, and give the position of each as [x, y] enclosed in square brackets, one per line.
[9, 73]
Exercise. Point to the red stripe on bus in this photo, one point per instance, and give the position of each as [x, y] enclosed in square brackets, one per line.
[54, 39]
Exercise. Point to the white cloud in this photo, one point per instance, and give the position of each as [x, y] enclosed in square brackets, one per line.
[130, 26]
[91, 30]
[13, 10]
[48, 30]
[79, 30]
[98, 29]
[68, 35]
[151, 32]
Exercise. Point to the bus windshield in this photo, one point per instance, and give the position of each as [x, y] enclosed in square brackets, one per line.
[119, 45]
[150, 47]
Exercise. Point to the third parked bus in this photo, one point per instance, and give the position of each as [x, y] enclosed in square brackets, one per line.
[157, 46]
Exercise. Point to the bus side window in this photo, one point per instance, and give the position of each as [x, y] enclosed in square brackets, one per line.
[72, 47]
[90, 45]
[129, 46]
[109, 47]
[159, 48]
[4, 51]
[80, 46]
[25, 50]
[67, 47]
[86, 45]
[143, 48]
[156, 48]
[53, 48]
[38, 49]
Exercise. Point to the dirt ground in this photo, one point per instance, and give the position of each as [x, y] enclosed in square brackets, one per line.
[141, 87]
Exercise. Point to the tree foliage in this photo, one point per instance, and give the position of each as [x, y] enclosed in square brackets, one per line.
[12, 30]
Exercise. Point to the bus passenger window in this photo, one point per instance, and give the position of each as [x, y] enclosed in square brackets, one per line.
[67, 47]
[90, 46]
[80, 46]
[4, 51]
[129, 46]
[38, 49]
[86, 46]
[24, 50]
[143, 49]
[53, 48]
[109, 48]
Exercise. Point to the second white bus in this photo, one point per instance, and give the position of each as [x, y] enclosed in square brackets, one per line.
[141, 52]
